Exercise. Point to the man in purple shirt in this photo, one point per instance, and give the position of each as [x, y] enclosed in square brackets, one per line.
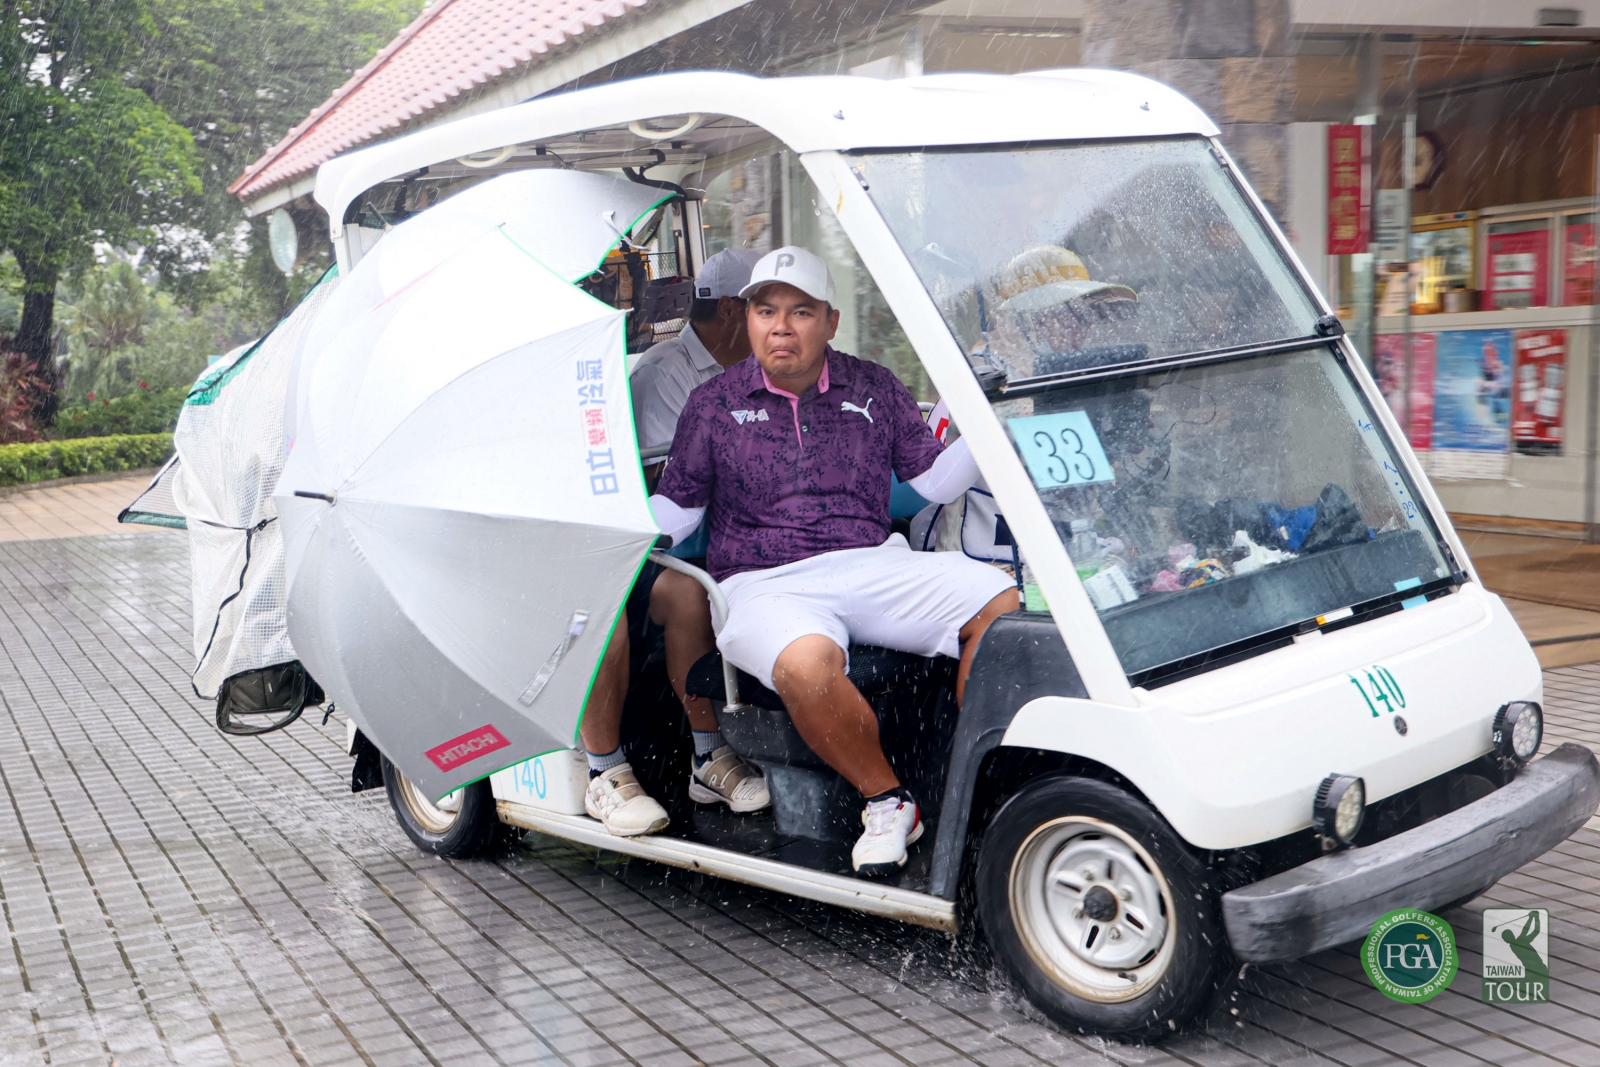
[792, 452]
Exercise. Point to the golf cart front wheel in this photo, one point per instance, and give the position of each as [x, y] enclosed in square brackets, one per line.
[1098, 910]
[460, 825]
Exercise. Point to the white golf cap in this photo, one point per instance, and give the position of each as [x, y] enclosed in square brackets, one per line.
[725, 273]
[792, 265]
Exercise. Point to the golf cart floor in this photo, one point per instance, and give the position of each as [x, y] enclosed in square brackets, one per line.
[754, 834]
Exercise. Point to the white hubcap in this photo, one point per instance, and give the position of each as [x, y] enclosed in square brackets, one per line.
[435, 818]
[1092, 909]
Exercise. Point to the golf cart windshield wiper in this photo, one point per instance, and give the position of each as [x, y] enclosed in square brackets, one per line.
[1014, 387]
[1279, 637]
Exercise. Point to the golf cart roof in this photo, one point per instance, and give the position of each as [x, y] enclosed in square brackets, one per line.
[692, 117]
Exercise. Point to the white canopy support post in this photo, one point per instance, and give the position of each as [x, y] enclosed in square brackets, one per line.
[719, 617]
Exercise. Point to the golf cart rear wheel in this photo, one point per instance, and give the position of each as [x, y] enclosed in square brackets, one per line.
[1098, 910]
[460, 825]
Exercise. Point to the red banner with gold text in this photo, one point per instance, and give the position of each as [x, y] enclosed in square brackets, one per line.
[1349, 189]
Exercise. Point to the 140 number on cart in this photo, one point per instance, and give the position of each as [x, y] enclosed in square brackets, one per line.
[1378, 688]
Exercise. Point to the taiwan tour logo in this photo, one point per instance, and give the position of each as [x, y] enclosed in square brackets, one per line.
[1516, 956]
[1410, 955]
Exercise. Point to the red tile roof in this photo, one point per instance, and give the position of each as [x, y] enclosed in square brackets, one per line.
[453, 46]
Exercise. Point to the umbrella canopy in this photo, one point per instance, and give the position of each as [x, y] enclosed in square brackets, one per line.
[479, 511]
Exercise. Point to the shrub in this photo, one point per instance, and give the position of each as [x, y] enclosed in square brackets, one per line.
[145, 411]
[88, 455]
[19, 391]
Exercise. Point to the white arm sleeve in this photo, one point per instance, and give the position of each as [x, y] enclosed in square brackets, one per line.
[953, 473]
[676, 522]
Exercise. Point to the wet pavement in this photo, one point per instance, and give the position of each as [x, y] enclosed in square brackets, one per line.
[171, 895]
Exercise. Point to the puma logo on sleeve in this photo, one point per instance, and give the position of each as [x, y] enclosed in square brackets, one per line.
[845, 405]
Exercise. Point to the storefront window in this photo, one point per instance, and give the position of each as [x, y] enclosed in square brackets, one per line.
[1443, 249]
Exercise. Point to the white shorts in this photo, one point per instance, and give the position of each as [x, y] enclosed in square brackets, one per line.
[889, 596]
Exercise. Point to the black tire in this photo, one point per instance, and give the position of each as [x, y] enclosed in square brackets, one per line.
[1058, 830]
[469, 831]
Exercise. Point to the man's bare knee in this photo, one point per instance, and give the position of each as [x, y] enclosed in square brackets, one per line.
[810, 662]
[676, 598]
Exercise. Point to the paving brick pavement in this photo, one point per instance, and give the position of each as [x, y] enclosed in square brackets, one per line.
[172, 895]
[70, 510]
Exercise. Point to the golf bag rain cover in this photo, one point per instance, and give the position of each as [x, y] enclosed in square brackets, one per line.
[231, 447]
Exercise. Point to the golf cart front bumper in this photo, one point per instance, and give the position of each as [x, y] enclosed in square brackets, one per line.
[1335, 899]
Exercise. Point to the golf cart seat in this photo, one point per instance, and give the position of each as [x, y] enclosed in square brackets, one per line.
[809, 800]
[763, 732]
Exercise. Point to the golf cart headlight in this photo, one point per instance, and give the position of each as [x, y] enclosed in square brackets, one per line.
[1518, 731]
[1340, 805]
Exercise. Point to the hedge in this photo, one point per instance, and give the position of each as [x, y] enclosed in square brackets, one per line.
[140, 412]
[82, 455]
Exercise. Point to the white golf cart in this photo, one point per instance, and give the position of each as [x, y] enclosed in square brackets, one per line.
[1257, 697]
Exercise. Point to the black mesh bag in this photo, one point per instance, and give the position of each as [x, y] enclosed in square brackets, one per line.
[264, 700]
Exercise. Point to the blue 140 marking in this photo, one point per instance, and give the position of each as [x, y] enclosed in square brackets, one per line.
[529, 776]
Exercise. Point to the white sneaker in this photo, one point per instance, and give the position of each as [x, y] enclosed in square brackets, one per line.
[728, 778]
[892, 824]
[616, 798]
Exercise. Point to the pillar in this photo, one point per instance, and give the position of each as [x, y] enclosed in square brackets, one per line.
[1231, 57]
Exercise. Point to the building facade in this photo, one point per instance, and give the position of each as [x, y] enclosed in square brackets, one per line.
[1433, 161]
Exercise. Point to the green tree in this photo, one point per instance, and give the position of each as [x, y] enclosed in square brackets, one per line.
[113, 308]
[238, 74]
[85, 157]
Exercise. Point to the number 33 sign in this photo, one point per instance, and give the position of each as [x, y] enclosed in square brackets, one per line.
[1060, 449]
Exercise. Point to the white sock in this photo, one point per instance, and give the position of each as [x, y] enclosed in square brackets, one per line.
[601, 762]
[706, 742]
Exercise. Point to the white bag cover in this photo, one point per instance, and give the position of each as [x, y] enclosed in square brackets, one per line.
[480, 512]
[229, 443]
[971, 525]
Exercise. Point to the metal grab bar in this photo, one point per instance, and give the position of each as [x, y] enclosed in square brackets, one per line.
[719, 618]
[657, 452]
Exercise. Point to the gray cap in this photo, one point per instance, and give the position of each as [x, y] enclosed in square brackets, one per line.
[725, 273]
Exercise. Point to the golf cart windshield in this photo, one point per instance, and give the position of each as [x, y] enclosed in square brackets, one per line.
[1223, 508]
[1071, 257]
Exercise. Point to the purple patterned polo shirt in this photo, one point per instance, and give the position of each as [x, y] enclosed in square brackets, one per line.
[787, 478]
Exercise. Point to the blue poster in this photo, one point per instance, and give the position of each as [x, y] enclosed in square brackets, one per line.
[1472, 391]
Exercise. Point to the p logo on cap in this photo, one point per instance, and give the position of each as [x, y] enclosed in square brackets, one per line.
[792, 265]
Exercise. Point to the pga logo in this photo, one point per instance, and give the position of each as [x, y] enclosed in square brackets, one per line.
[1410, 955]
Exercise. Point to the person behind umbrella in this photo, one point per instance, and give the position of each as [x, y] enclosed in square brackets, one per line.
[661, 383]
[714, 340]
[792, 452]
[1050, 308]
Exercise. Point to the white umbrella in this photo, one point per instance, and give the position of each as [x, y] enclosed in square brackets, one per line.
[463, 508]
